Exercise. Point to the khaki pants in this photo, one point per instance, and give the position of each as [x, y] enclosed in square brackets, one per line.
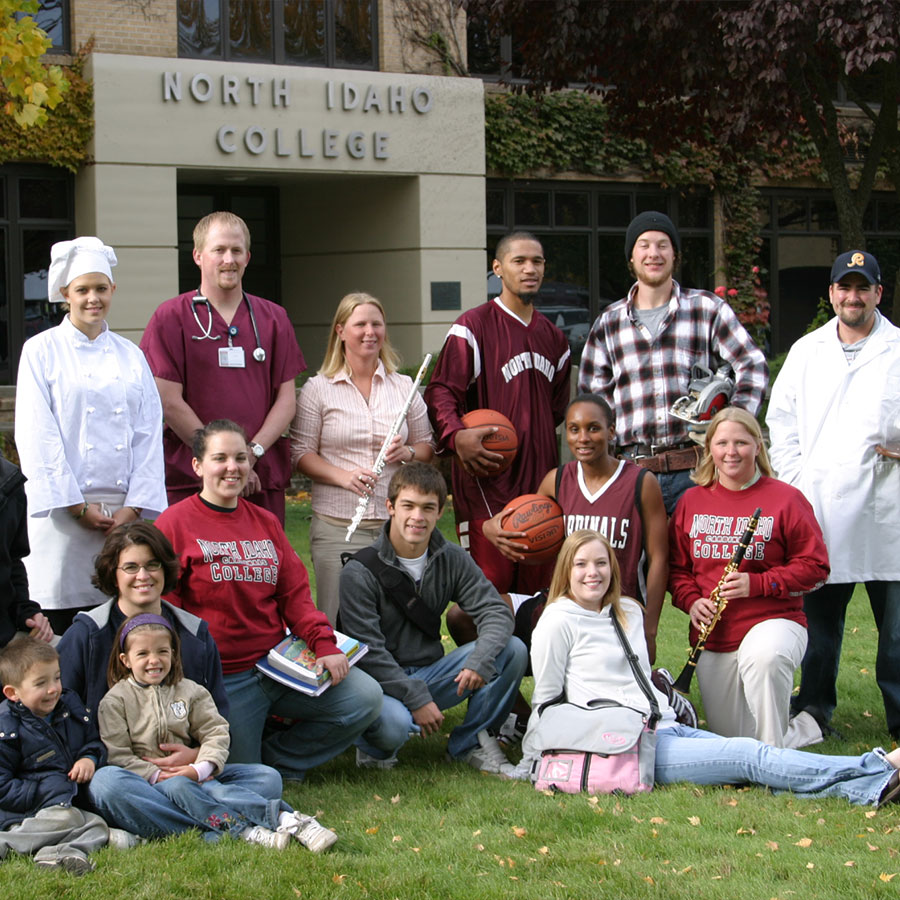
[326, 544]
[747, 693]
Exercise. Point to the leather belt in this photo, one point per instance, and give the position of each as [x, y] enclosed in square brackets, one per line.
[676, 460]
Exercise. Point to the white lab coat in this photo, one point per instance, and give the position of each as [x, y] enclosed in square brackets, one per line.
[825, 418]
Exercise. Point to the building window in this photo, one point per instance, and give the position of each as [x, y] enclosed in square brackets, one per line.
[36, 211]
[801, 238]
[53, 18]
[582, 226]
[334, 33]
[259, 208]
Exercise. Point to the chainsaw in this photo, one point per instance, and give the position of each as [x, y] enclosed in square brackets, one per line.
[708, 392]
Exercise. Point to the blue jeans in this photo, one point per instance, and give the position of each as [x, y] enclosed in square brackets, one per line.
[327, 725]
[673, 485]
[126, 800]
[825, 612]
[701, 757]
[488, 706]
[224, 804]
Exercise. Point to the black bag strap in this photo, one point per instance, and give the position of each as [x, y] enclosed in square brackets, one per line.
[639, 675]
[400, 589]
[559, 474]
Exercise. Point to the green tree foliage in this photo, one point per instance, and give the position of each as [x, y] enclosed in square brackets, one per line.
[749, 73]
[29, 87]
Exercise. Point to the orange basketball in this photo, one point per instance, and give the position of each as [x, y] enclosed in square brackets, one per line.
[504, 440]
[541, 518]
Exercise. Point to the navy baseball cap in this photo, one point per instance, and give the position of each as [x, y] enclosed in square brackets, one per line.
[856, 261]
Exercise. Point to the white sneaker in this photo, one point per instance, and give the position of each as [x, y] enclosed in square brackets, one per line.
[259, 835]
[488, 757]
[511, 731]
[521, 771]
[74, 865]
[315, 837]
[365, 761]
[120, 839]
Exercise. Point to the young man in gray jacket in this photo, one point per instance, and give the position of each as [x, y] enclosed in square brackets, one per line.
[393, 595]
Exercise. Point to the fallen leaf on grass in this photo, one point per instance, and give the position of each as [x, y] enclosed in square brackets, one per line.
[544, 850]
[297, 893]
[772, 845]
[372, 830]
[518, 831]
[810, 865]
[871, 847]
[338, 879]
[885, 877]
[867, 714]
[820, 821]
[376, 797]
[479, 847]
[658, 820]
[649, 880]
[850, 862]
[871, 813]
[396, 839]
[415, 849]
[732, 802]
[863, 671]
[395, 798]
[803, 842]
[743, 830]
[476, 833]
[685, 870]
[694, 820]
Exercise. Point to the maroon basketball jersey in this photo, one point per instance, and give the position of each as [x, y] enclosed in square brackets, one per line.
[612, 512]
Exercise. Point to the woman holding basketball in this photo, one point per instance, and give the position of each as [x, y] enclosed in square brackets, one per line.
[343, 416]
[612, 496]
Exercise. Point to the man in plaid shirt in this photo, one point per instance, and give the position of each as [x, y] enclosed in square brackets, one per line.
[640, 351]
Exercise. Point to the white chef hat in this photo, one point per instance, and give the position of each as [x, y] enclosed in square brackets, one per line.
[69, 259]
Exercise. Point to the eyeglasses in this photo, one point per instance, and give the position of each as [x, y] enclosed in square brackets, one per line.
[154, 565]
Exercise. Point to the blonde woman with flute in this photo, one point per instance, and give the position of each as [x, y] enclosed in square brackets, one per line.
[344, 414]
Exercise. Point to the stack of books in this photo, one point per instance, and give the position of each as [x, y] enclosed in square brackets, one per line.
[292, 663]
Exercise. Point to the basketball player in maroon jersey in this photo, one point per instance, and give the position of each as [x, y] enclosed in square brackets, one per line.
[501, 356]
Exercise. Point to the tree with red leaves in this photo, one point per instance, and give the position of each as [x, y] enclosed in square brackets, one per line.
[741, 72]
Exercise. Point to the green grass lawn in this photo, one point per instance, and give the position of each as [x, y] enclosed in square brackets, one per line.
[436, 829]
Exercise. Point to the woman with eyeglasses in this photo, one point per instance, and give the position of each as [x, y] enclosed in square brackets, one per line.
[135, 567]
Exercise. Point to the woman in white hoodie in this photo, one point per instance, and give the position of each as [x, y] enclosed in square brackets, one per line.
[575, 648]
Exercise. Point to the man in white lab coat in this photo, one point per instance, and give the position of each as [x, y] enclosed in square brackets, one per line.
[827, 415]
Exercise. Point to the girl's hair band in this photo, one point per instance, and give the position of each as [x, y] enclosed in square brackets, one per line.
[142, 619]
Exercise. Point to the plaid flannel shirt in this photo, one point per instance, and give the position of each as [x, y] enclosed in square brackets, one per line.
[641, 378]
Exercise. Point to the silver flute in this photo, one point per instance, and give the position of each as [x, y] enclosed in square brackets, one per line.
[381, 459]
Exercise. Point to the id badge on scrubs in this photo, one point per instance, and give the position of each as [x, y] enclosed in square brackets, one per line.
[231, 357]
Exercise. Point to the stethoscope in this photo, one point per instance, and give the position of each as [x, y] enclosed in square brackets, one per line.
[206, 333]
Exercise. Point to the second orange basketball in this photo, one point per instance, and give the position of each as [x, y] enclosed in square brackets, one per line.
[541, 518]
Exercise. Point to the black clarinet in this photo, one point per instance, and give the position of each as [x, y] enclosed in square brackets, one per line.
[683, 682]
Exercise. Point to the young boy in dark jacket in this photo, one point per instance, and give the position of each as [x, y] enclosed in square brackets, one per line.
[49, 746]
